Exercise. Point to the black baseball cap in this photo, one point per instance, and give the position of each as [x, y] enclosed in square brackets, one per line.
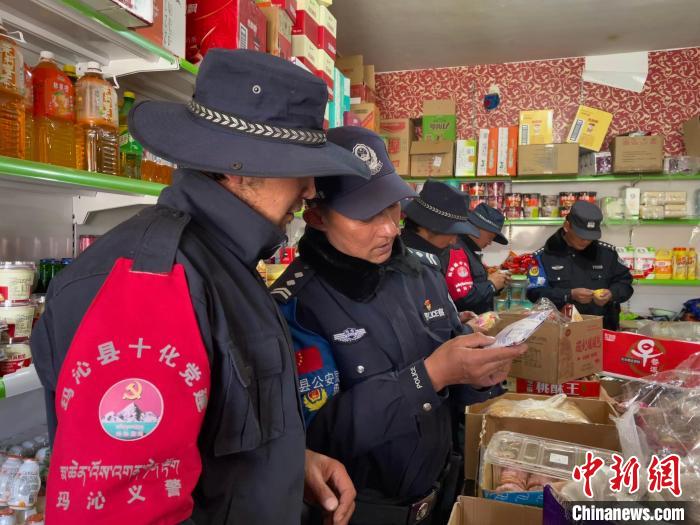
[585, 219]
[356, 197]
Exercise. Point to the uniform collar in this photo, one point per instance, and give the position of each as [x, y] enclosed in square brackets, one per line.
[415, 241]
[470, 244]
[557, 245]
[355, 278]
[240, 229]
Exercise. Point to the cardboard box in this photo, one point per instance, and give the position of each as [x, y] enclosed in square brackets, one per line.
[536, 127]
[352, 66]
[479, 511]
[307, 20]
[579, 388]
[125, 12]
[327, 31]
[632, 198]
[439, 120]
[548, 159]
[558, 353]
[399, 134]
[239, 25]
[432, 158]
[691, 136]
[492, 155]
[632, 355]
[465, 158]
[482, 162]
[589, 128]
[326, 68]
[369, 115]
[362, 93]
[306, 52]
[279, 31]
[369, 75]
[593, 163]
[507, 151]
[169, 26]
[290, 6]
[479, 427]
[632, 154]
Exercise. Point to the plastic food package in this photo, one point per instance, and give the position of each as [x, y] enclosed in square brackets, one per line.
[519, 331]
[486, 321]
[555, 408]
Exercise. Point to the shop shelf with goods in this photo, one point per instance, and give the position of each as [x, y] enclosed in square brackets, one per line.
[667, 282]
[629, 178]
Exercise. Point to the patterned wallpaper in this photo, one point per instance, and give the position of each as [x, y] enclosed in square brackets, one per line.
[671, 95]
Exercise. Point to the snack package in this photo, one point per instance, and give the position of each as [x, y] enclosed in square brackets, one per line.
[485, 321]
[519, 331]
[555, 408]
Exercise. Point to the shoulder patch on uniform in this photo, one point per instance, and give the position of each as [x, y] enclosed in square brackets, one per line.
[537, 252]
[607, 245]
[291, 281]
[429, 259]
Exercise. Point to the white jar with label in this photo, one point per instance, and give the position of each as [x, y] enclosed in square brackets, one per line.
[19, 318]
[14, 357]
[16, 280]
[25, 486]
[7, 475]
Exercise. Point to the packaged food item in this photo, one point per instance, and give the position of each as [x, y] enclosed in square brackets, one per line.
[567, 199]
[589, 127]
[514, 213]
[536, 127]
[564, 211]
[588, 196]
[632, 197]
[612, 207]
[486, 321]
[514, 200]
[651, 212]
[7, 473]
[19, 318]
[626, 254]
[531, 212]
[675, 211]
[595, 163]
[692, 264]
[680, 263]
[653, 198]
[13, 357]
[16, 280]
[676, 197]
[556, 408]
[644, 262]
[477, 189]
[25, 486]
[663, 264]
[519, 331]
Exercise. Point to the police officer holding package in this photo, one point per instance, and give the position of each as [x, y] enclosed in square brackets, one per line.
[574, 266]
[168, 368]
[380, 346]
[471, 286]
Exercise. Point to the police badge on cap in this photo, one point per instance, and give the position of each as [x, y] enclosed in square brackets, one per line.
[585, 219]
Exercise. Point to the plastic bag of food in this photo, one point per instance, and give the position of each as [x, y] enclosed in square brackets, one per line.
[484, 322]
[555, 315]
[555, 408]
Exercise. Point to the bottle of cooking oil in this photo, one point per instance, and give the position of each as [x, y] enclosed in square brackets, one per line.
[28, 114]
[130, 151]
[12, 119]
[97, 142]
[54, 113]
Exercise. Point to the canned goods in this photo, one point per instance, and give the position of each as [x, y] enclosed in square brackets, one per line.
[514, 200]
[549, 211]
[564, 211]
[588, 196]
[19, 318]
[476, 189]
[514, 212]
[475, 201]
[531, 200]
[496, 189]
[495, 202]
[16, 280]
[13, 357]
[549, 200]
[567, 199]
[531, 212]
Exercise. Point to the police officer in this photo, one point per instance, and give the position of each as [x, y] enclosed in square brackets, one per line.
[234, 451]
[575, 267]
[475, 289]
[379, 344]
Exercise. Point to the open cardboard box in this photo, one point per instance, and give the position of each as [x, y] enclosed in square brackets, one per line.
[480, 511]
[479, 427]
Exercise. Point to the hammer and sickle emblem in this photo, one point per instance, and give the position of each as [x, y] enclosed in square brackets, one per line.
[133, 391]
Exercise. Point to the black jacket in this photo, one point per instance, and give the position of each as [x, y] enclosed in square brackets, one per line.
[252, 447]
[480, 296]
[378, 323]
[561, 269]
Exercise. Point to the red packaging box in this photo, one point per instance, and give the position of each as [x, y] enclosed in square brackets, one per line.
[307, 53]
[307, 20]
[579, 388]
[327, 31]
[632, 355]
[492, 162]
[230, 24]
[279, 32]
[363, 92]
[289, 6]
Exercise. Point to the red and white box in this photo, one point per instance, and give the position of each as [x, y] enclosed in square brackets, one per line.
[289, 6]
[633, 356]
[306, 52]
[326, 67]
[579, 388]
[307, 20]
[229, 24]
[507, 151]
[327, 32]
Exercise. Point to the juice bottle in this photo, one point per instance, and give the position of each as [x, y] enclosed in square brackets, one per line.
[663, 265]
[12, 120]
[28, 114]
[54, 115]
[97, 142]
[69, 70]
[130, 151]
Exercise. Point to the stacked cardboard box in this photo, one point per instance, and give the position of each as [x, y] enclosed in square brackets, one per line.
[361, 75]
[633, 154]
[399, 134]
[498, 152]
[169, 26]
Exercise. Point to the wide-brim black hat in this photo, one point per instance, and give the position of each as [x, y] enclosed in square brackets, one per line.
[441, 209]
[252, 114]
[490, 219]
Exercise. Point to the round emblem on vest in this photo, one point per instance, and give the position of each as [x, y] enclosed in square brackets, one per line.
[131, 409]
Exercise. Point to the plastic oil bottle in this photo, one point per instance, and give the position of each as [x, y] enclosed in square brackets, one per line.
[12, 118]
[130, 151]
[28, 114]
[97, 142]
[54, 114]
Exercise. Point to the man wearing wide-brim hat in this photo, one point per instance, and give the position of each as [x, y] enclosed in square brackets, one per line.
[194, 417]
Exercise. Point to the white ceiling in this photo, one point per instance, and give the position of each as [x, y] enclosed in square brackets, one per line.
[416, 34]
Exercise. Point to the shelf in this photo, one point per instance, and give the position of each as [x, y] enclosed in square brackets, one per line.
[688, 221]
[77, 33]
[19, 382]
[541, 179]
[666, 282]
[37, 173]
[548, 221]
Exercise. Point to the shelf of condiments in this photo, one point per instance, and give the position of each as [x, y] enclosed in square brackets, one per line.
[50, 114]
[24, 468]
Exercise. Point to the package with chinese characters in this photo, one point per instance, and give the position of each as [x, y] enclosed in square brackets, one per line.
[556, 408]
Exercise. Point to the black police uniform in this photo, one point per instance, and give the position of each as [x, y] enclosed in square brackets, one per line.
[252, 439]
[377, 324]
[479, 299]
[561, 269]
